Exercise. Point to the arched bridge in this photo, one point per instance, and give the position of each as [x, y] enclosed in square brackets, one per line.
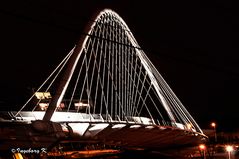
[106, 90]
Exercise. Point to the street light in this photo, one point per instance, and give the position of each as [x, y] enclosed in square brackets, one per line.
[229, 149]
[213, 124]
[202, 147]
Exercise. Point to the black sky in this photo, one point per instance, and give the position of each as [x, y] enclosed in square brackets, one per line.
[194, 45]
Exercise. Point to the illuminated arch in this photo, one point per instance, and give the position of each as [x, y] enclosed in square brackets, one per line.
[110, 75]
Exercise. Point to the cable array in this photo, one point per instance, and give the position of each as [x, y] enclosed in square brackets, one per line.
[113, 77]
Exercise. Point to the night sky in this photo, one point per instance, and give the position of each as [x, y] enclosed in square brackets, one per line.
[193, 44]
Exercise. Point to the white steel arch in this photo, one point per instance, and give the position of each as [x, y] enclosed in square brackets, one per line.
[110, 78]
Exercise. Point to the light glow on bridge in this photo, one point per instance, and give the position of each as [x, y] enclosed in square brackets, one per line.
[109, 92]
[108, 78]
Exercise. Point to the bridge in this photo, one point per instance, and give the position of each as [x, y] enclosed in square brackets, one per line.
[105, 91]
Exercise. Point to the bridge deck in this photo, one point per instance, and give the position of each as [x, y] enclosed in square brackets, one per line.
[36, 133]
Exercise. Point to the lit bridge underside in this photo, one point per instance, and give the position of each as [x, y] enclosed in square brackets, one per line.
[135, 133]
[105, 90]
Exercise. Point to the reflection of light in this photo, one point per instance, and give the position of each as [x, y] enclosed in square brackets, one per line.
[179, 125]
[143, 120]
[135, 126]
[79, 128]
[229, 148]
[43, 95]
[189, 126]
[43, 106]
[118, 126]
[98, 127]
[80, 104]
[149, 127]
[202, 147]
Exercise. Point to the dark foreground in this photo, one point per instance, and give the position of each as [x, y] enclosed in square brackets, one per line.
[116, 154]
